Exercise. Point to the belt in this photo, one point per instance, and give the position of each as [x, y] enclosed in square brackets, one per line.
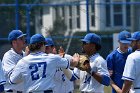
[46, 91]
[13, 91]
[83, 92]
[137, 88]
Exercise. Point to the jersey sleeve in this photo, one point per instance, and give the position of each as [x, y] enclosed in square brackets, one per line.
[16, 75]
[102, 67]
[8, 63]
[2, 78]
[75, 74]
[109, 61]
[62, 62]
[129, 70]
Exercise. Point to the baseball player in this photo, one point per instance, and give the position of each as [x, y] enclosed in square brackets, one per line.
[131, 74]
[37, 70]
[2, 79]
[117, 58]
[94, 79]
[11, 57]
[133, 43]
[62, 83]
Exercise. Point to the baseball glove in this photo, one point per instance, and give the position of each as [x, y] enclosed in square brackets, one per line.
[83, 63]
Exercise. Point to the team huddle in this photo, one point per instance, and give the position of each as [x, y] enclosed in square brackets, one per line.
[40, 69]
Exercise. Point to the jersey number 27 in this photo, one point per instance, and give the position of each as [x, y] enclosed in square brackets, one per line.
[35, 70]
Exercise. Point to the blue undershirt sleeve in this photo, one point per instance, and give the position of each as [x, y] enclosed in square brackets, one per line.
[105, 80]
[1, 88]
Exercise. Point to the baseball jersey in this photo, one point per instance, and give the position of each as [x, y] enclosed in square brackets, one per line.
[132, 71]
[10, 59]
[116, 61]
[37, 71]
[2, 78]
[63, 84]
[87, 82]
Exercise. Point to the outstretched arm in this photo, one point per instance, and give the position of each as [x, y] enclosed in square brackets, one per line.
[113, 85]
[126, 86]
[70, 74]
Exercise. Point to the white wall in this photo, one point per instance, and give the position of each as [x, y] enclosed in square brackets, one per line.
[47, 19]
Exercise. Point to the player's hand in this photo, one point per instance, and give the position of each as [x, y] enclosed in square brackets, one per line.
[27, 51]
[61, 51]
[110, 72]
[75, 60]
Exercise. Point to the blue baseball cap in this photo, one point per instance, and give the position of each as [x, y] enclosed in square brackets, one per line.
[37, 38]
[92, 38]
[135, 36]
[49, 42]
[15, 34]
[123, 37]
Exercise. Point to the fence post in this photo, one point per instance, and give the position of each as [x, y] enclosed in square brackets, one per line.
[87, 15]
[17, 14]
[28, 23]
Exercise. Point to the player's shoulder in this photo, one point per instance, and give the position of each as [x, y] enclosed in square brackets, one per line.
[98, 57]
[67, 56]
[133, 54]
[54, 56]
[9, 55]
[114, 52]
[9, 52]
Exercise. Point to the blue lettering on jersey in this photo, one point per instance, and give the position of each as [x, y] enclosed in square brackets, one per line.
[87, 79]
[63, 77]
[35, 67]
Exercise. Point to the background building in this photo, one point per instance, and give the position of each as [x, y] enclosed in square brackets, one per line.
[104, 15]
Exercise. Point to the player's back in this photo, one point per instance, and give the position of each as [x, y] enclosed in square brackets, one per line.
[136, 72]
[38, 71]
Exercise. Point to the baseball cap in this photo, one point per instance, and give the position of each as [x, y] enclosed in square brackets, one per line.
[15, 34]
[92, 38]
[123, 37]
[135, 36]
[37, 38]
[49, 42]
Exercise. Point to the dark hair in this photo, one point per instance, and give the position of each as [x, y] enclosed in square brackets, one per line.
[36, 46]
[98, 47]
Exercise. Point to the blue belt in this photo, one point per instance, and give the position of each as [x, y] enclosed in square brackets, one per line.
[46, 91]
[12, 91]
[137, 88]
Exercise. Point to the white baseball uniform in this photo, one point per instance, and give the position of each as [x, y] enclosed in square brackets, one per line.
[132, 71]
[37, 71]
[10, 59]
[2, 78]
[63, 84]
[87, 82]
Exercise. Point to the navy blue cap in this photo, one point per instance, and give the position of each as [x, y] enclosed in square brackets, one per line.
[123, 37]
[135, 36]
[37, 38]
[49, 42]
[15, 34]
[92, 38]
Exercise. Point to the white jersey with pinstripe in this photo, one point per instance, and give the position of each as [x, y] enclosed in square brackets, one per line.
[2, 78]
[37, 71]
[63, 84]
[132, 71]
[10, 59]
